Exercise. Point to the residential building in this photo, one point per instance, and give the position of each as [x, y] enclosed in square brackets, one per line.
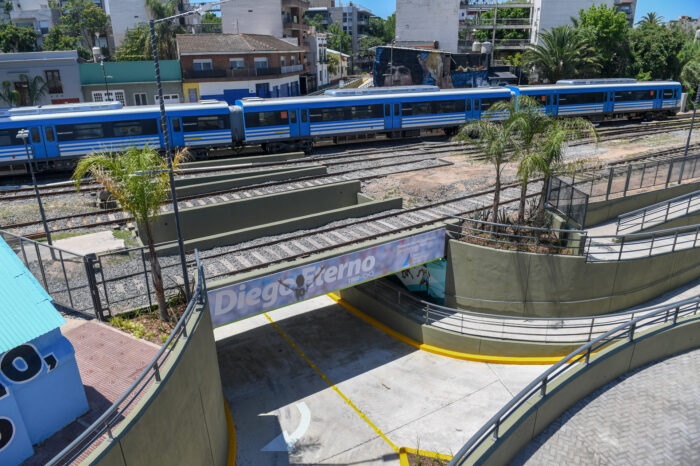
[33, 14]
[354, 19]
[58, 69]
[124, 14]
[342, 71]
[455, 25]
[278, 18]
[687, 23]
[318, 60]
[322, 3]
[232, 66]
[131, 82]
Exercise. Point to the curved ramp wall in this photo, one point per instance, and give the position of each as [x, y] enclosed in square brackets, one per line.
[504, 282]
[182, 419]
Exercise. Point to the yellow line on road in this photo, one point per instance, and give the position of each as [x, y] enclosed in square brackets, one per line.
[337, 390]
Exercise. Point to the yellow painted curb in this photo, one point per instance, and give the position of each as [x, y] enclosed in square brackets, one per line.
[403, 457]
[231, 461]
[522, 360]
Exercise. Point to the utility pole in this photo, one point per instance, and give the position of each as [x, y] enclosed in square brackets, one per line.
[24, 135]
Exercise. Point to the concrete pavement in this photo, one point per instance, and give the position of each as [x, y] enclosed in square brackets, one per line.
[286, 413]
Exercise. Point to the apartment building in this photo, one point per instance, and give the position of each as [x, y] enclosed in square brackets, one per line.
[232, 66]
[318, 62]
[353, 19]
[58, 69]
[33, 14]
[509, 25]
[277, 18]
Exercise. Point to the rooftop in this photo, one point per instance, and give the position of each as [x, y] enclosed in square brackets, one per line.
[232, 43]
[26, 310]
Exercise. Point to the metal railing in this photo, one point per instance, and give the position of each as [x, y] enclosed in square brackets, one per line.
[66, 276]
[658, 213]
[487, 22]
[639, 245]
[500, 43]
[575, 330]
[116, 413]
[619, 181]
[204, 28]
[292, 68]
[519, 237]
[671, 315]
[567, 200]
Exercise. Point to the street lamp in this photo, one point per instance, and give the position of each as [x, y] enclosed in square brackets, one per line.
[23, 134]
[164, 129]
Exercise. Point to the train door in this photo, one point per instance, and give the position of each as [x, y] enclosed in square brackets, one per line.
[469, 110]
[304, 124]
[50, 142]
[658, 102]
[37, 142]
[555, 104]
[387, 116]
[396, 119]
[293, 124]
[177, 136]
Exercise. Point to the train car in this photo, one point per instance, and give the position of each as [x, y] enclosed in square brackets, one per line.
[607, 99]
[296, 122]
[59, 134]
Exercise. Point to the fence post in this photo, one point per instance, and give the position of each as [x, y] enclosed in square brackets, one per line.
[610, 178]
[627, 180]
[590, 330]
[668, 175]
[622, 246]
[89, 262]
[675, 240]
[632, 328]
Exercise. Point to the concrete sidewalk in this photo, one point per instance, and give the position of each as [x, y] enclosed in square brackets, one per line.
[413, 398]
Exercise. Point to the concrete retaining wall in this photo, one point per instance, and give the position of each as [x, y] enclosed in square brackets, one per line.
[537, 412]
[496, 281]
[447, 339]
[225, 182]
[234, 215]
[182, 419]
[602, 211]
[201, 179]
[244, 160]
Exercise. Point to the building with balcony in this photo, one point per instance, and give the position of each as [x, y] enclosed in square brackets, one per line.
[33, 14]
[131, 82]
[232, 66]
[318, 62]
[278, 18]
[58, 69]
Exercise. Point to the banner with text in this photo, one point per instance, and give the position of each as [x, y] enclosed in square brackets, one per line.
[262, 294]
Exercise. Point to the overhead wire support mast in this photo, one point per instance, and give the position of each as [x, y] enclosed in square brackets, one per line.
[166, 136]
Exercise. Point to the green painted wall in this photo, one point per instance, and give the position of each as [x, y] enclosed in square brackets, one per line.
[496, 281]
[182, 419]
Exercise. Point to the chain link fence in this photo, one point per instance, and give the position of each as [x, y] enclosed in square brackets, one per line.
[567, 200]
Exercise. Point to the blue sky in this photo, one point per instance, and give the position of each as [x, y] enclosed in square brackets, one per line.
[669, 9]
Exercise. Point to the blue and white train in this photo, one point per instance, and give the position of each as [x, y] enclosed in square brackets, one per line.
[61, 133]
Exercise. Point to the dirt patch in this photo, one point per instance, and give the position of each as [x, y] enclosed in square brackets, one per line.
[146, 324]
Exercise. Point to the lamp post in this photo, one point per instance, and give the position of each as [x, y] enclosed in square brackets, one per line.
[23, 134]
[164, 129]
[692, 121]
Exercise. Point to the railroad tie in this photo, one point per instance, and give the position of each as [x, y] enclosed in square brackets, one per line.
[201, 202]
[244, 261]
[385, 225]
[313, 242]
[334, 234]
[189, 204]
[286, 249]
[226, 263]
[300, 245]
[258, 192]
[259, 257]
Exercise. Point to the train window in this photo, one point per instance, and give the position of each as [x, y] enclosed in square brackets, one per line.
[293, 116]
[206, 123]
[387, 110]
[50, 137]
[540, 99]
[258, 119]
[36, 135]
[9, 138]
[630, 96]
[417, 108]
[449, 106]
[668, 93]
[133, 128]
[490, 102]
[304, 116]
[364, 112]
[176, 125]
[319, 115]
[397, 109]
[582, 98]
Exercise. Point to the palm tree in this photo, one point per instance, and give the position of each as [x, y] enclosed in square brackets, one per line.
[496, 142]
[8, 95]
[652, 18]
[548, 149]
[138, 179]
[36, 88]
[165, 31]
[562, 53]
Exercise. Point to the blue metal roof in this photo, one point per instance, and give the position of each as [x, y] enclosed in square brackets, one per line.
[26, 310]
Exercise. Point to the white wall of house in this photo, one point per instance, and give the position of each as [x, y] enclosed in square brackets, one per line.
[553, 13]
[218, 87]
[125, 14]
[252, 17]
[428, 20]
[12, 65]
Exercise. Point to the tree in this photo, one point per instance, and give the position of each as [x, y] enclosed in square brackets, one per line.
[338, 39]
[333, 63]
[8, 95]
[136, 45]
[16, 39]
[83, 19]
[390, 28]
[165, 31]
[316, 21]
[59, 39]
[211, 22]
[35, 88]
[505, 16]
[652, 18]
[690, 77]
[496, 142]
[138, 179]
[563, 53]
[655, 49]
[606, 29]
